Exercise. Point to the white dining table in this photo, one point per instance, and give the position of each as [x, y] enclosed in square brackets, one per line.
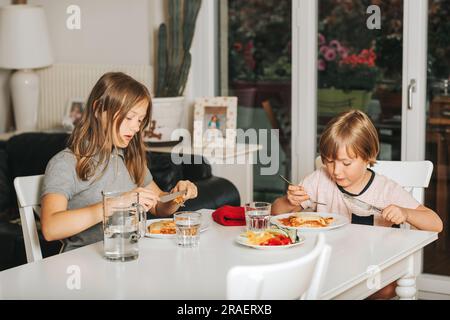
[363, 259]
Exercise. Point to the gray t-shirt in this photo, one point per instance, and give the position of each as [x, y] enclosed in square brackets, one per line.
[61, 177]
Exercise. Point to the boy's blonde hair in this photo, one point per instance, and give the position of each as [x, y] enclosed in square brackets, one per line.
[354, 131]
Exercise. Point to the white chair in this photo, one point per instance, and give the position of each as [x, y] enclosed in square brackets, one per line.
[413, 176]
[300, 278]
[28, 199]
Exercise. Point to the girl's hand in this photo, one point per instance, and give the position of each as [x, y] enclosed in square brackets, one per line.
[191, 189]
[296, 195]
[147, 198]
[395, 214]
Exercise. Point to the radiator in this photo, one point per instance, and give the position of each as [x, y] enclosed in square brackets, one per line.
[62, 83]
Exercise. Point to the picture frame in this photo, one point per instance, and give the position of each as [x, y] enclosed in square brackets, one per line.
[73, 113]
[215, 120]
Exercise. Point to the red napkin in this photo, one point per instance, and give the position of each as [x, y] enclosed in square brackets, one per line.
[229, 216]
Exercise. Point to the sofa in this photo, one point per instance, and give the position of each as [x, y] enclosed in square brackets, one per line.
[28, 154]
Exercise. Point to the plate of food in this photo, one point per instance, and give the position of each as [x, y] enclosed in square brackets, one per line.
[309, 221]
[271, 239]
[165, 228]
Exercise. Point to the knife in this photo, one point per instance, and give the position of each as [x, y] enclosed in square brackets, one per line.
[171, 196]
[361, 204]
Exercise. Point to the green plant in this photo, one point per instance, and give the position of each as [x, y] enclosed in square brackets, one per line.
[259, 40]
[340, 68]
[174, 40]
[438, 39]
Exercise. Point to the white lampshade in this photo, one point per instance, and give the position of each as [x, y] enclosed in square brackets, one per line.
[24, 38]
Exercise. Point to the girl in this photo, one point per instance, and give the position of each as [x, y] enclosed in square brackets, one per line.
[106, 153]
[348, 146]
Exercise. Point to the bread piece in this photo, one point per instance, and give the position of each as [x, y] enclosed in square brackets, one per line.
[162, 227]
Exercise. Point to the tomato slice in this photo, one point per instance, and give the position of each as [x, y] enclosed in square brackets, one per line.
[277, 240]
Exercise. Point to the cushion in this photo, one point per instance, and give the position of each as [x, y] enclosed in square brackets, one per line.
[5, 182]
[165, 173]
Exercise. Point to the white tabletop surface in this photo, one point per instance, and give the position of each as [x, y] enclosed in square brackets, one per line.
[165, 271]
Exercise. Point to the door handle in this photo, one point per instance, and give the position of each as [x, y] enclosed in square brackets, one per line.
[411, 90]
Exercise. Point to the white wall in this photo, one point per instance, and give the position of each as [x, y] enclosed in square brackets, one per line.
[5, 108]
[112, 31]
[156, 17]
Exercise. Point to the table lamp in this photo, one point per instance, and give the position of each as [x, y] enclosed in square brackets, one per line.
[24, 45]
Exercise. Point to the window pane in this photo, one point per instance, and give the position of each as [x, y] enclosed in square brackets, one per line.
[360, 66]
[437, 255]
[256, 57]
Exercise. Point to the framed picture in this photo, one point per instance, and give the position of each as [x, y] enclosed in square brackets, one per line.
[215, 122]
[73, 114]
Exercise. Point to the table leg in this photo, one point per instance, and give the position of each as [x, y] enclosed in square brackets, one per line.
[406, 289]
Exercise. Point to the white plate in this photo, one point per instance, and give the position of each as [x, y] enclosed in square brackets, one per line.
[339, 221]
[203, 227]
[243, 240]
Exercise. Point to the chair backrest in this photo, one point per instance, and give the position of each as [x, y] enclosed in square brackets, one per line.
[299, 278]
[413, 176]
[28, 199]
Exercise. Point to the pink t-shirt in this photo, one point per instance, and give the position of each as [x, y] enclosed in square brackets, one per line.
[379, 192]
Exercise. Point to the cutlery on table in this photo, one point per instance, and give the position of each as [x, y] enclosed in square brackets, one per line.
[293, 184]
[171, 196]
[362, 204]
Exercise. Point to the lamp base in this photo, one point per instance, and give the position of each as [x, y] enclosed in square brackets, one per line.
[25, 98]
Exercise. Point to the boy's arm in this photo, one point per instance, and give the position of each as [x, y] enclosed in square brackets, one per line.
[282, 205]
[421, 218]
[424, 218]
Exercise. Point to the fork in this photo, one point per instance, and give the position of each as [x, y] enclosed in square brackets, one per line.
[293, 184]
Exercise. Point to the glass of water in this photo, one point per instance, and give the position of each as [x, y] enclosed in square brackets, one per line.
[122, 226]
[257, 216]
[188, 228]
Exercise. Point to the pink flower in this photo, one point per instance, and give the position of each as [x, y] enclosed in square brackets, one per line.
[335, 43]
[249, 46]
[330, 55]
[324, 49]
[321, 65]
[322, 39]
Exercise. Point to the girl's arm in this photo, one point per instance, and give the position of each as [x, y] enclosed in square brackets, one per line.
[168, 208]
[161, 209]
[59, 223]
[421, 218]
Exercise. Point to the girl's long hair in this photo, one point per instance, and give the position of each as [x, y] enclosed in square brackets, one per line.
[112, 97]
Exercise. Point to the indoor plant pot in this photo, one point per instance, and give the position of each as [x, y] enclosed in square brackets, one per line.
[335, 101]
